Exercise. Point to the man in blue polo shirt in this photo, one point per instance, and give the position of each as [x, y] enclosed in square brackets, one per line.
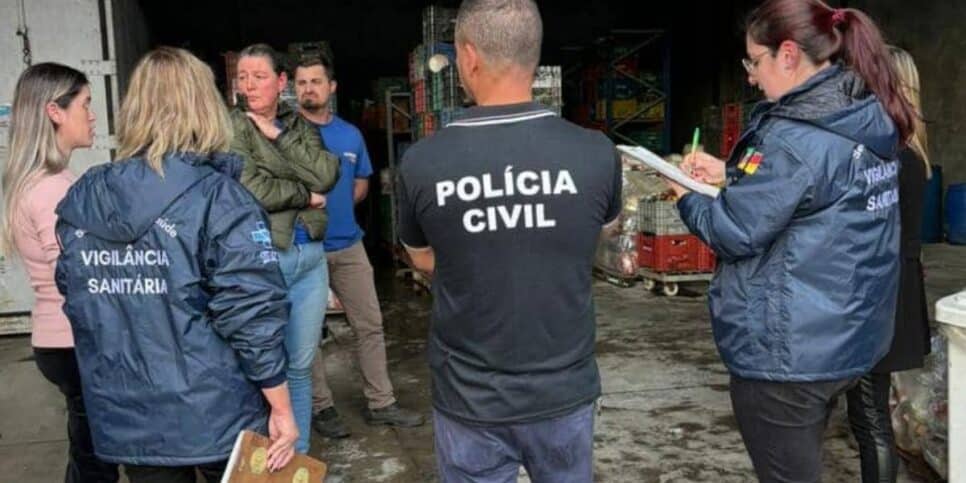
[350, 273]
[505, 206]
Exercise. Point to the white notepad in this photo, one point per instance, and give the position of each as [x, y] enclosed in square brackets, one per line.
[668, 170]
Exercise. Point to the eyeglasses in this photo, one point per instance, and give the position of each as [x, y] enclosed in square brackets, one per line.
[752, 63]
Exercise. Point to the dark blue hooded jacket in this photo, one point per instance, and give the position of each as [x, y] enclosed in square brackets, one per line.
[808, 238]
[177, 306]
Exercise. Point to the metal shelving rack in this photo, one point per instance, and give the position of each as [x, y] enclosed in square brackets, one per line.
[391, 108]
[661, 91]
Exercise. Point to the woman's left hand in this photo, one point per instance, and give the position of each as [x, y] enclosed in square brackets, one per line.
[265, 125]
[679, 190]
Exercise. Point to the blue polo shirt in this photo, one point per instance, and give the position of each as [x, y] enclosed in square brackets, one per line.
[345, 141]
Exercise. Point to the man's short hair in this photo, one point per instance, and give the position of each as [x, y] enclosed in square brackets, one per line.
[311, 60]
[503, 31]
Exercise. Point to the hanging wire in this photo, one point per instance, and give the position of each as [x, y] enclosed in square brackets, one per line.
[23, 31]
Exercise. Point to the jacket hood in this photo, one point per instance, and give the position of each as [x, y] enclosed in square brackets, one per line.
[836, 99]
[121, 201]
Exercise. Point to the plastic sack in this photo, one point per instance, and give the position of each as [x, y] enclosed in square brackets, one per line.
[935, 380]
[910, 410]
[617, 250]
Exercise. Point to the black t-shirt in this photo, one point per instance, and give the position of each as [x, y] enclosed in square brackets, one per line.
[512, 200]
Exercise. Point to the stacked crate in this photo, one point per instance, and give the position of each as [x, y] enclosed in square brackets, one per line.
[674, 254]
[665, 245]
[731, 127]
[722, 126]
[425, 124]
[439, 24]
[437, 96]
[445, 90]
[548, 87]
[712, 131]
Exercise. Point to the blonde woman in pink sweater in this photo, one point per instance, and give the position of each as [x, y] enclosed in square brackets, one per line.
[51, 117]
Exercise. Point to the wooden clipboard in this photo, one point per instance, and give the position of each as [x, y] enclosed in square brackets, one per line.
[247, 464]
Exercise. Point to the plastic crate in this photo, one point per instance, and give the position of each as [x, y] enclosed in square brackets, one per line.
[439, 24]
[674, 254]
[660, 217]
[731, 127]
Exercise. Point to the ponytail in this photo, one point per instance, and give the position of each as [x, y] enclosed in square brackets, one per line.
[866, 52]
[824, 33]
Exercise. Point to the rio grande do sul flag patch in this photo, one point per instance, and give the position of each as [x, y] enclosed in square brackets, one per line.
[750, 161]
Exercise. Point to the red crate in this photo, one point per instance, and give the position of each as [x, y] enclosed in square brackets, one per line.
[731, 128]
[674, 254]
[419, 96]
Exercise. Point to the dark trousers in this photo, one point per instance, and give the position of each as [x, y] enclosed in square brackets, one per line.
[558, 450]
[872, 426]
[59, 366]
[782, 425]
[211, 473]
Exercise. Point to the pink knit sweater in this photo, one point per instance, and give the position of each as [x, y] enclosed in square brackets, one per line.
[33, 233]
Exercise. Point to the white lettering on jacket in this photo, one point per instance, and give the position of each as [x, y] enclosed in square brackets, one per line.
[885, 173]
[128, 286]
[125, 258]
[170, 228]
[882, 173]
[136, 285]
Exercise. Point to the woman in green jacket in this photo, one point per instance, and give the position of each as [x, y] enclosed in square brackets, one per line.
[288, 169]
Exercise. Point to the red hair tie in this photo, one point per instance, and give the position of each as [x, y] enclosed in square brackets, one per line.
[838, 16]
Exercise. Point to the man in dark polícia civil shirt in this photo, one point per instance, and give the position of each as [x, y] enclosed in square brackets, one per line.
[505, 207]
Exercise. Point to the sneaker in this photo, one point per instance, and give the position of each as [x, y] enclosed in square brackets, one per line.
[393, 415]
[328, 423]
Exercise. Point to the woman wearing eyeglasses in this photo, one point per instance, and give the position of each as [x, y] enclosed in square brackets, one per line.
[806, 229]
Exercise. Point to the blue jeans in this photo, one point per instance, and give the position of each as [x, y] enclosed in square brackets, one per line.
[307, 276]
[558, 450]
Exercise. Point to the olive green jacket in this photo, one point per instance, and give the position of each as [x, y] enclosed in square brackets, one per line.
[283, 173]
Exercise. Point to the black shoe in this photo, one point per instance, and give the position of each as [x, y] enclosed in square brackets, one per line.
[393, 415]
[328, 423]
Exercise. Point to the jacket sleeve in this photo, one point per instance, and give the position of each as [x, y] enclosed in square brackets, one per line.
[273, 192]
[747, 216]
[248, 307]
[61, 274]
[302, 145]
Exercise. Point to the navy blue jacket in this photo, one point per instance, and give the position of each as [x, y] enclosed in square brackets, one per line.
[177, 306]
[807, 233]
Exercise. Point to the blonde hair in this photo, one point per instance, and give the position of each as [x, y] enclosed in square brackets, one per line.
[909, 81]
[33, 135]
[171, 106]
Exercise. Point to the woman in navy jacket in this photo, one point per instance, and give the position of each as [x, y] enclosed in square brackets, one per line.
[806, 229]
[172, 287]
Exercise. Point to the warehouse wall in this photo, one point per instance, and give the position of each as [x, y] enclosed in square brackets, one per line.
[932, 31]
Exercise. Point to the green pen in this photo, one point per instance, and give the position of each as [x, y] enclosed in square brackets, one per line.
[695, 139]
[694, 147]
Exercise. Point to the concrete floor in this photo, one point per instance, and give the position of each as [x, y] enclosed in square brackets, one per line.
[665, 417]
